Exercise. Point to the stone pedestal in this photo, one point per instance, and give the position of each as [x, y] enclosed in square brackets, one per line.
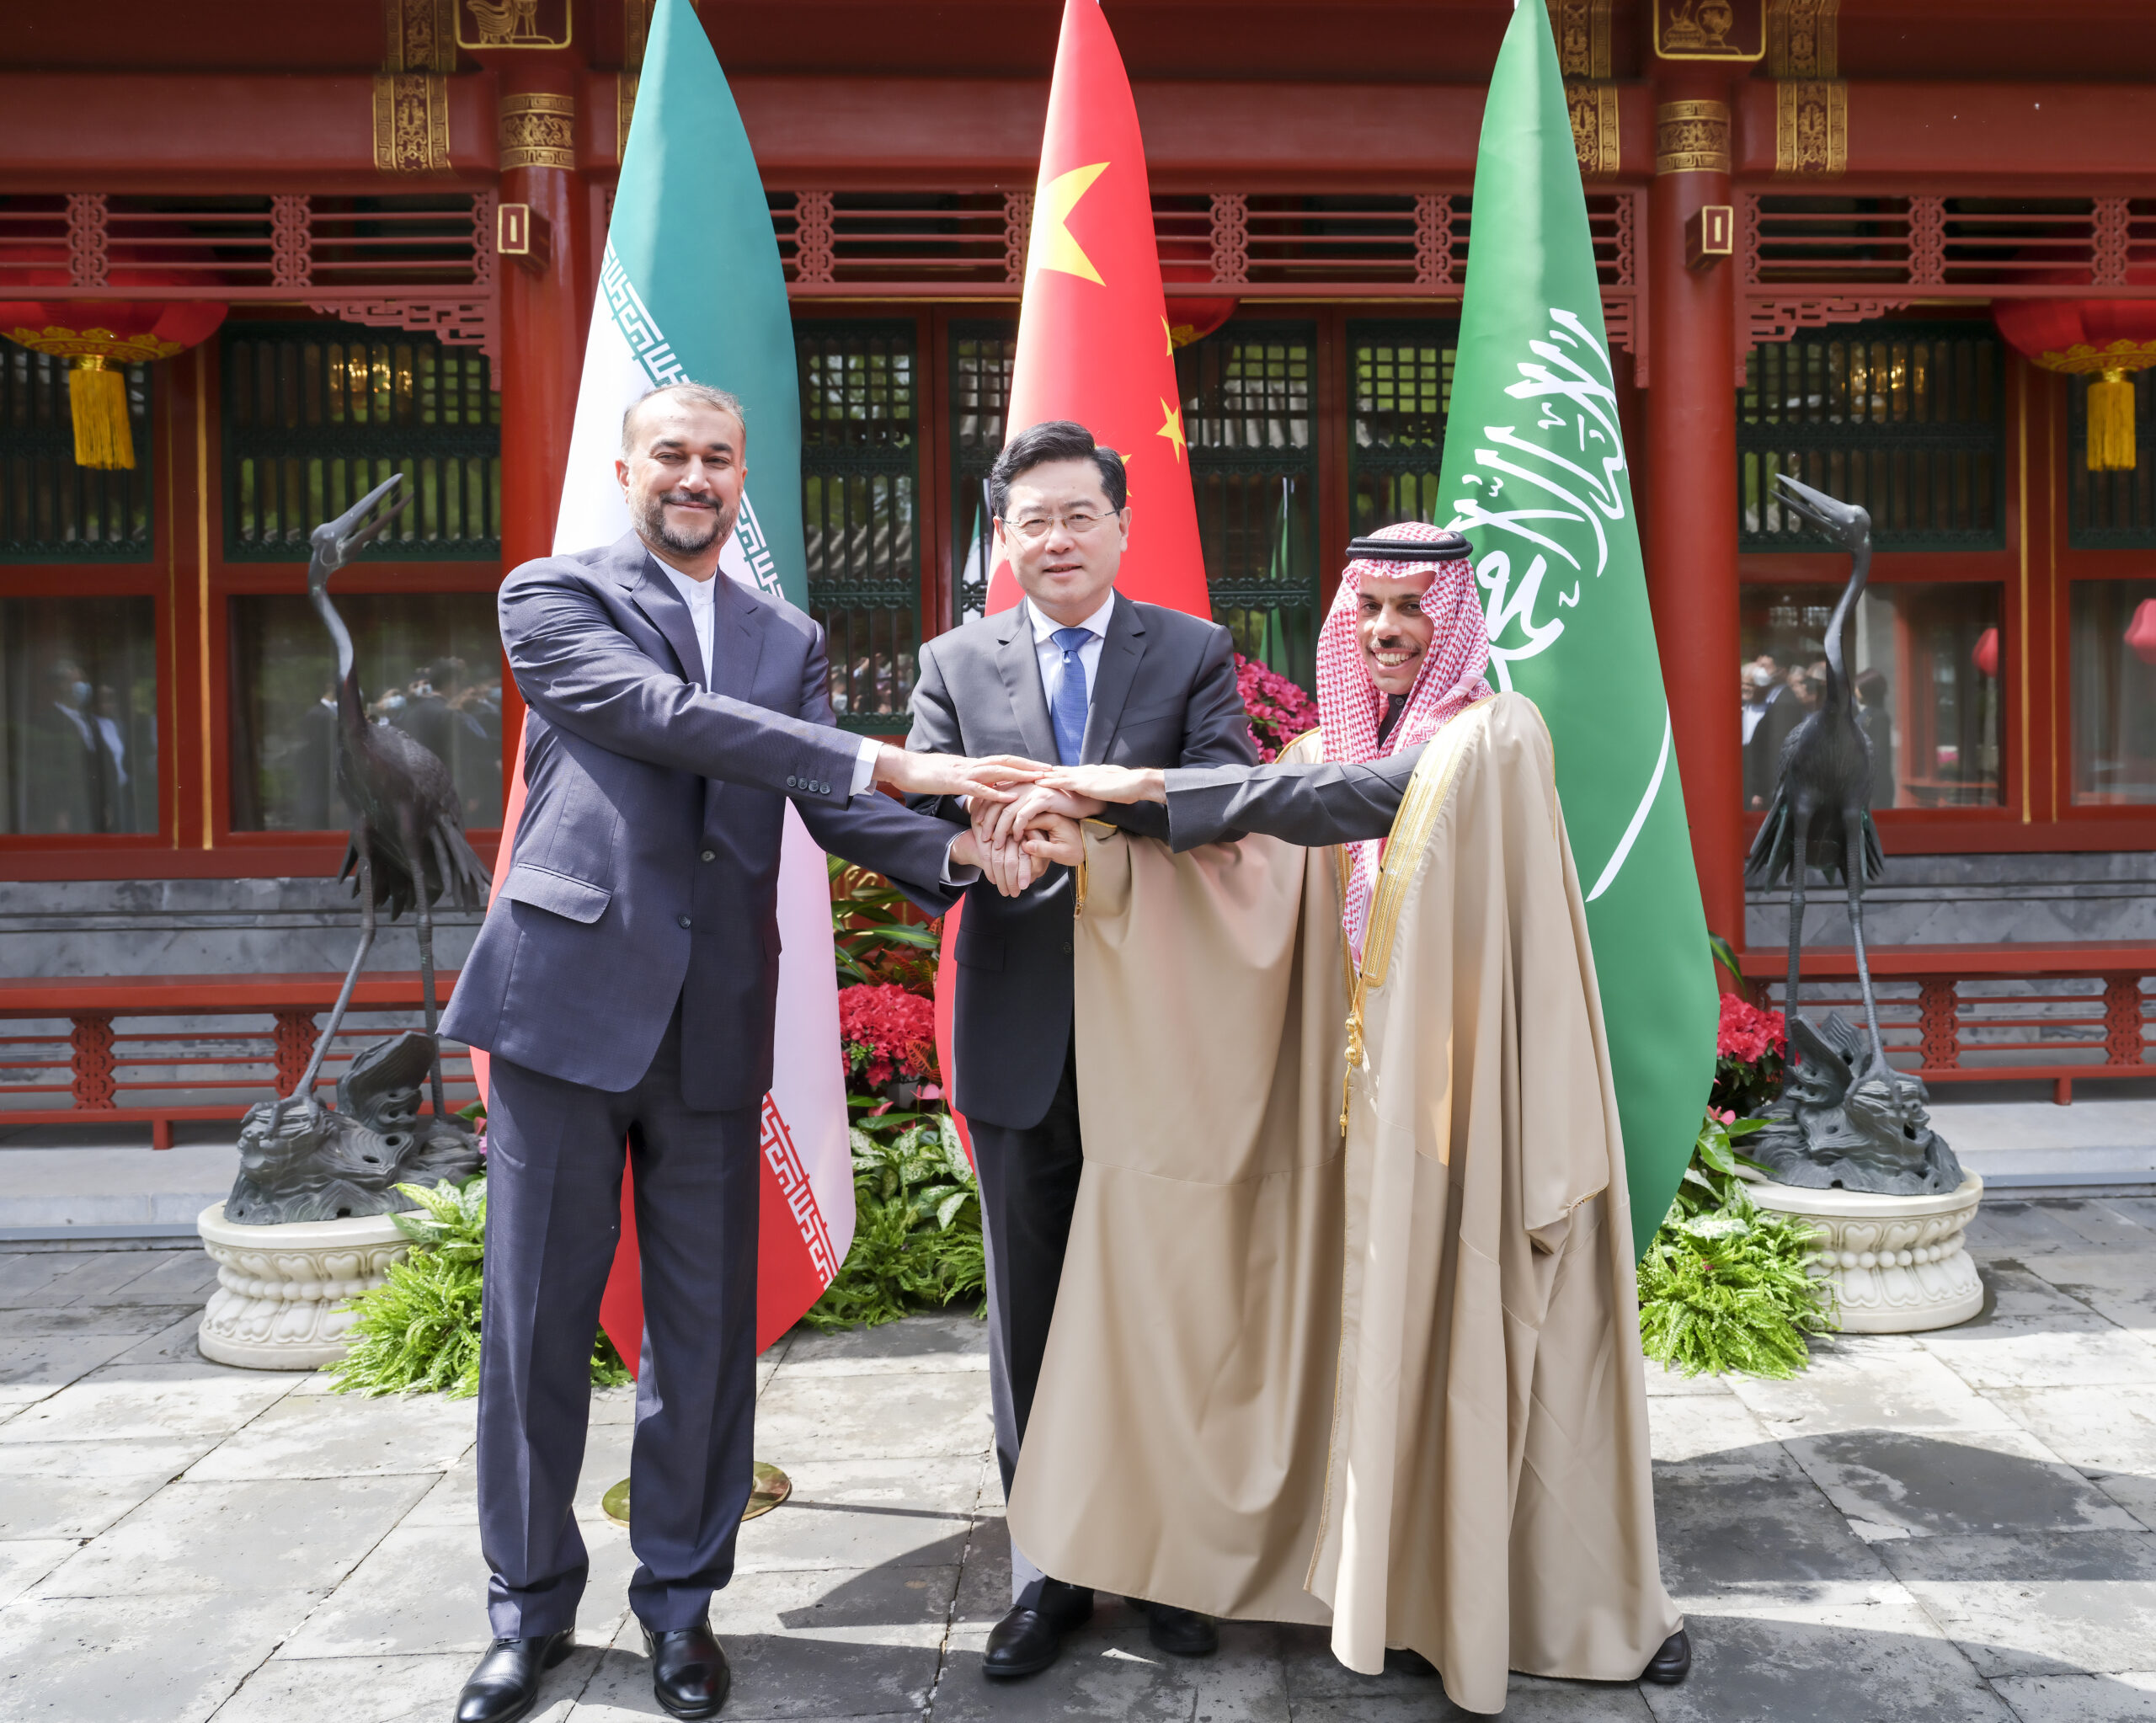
[279, 1288]
[1897, 1263]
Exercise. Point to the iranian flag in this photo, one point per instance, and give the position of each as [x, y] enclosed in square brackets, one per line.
[690, 289]
[1094, 343]
[1535, 475]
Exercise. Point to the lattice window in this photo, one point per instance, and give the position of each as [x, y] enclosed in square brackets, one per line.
[1400, 379]
[51, 509]
[317, 414]
[982, 353]
[2111, 510]
[1249, 415]
[1906, 419]
[860, 477]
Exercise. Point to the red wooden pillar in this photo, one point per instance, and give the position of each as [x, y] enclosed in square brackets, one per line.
[544, 305]
[1691, 513]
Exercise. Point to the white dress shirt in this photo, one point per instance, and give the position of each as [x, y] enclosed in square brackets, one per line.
[701, 597]
[1051, 655]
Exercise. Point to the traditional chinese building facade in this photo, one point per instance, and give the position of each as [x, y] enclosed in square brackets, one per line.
[1809, 217]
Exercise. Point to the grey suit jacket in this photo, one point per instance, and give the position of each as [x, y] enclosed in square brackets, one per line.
[645, 868]
[1326, 803]
[1164, 694]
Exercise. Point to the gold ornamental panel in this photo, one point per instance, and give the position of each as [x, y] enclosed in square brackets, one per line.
[411, 122]
[1811, 128]
[1691, 137]
[513, 23]
[1582, 28]
[538, 131]
[1802, 39]
[1594, 127]
[422, 35]
[625, 110]
[1709, 29]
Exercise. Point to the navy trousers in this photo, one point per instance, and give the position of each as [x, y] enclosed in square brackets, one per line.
[554, 1158]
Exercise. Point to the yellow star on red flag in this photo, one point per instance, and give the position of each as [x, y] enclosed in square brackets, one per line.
[1052, 246]
[1171, 429]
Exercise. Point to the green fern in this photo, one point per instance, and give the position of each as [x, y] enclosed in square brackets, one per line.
[1726, 1287]
[419, 1331]
[916, 1238]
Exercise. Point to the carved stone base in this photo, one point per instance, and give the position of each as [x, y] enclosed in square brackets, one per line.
[1897, 1263]
[279, 1288]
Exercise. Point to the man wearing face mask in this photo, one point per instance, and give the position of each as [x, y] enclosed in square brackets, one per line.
[66, 782]
[625, 982]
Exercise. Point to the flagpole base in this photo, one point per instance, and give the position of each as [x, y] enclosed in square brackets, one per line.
[771, 1487]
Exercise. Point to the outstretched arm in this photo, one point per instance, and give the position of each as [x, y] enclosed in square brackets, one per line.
[577, 669]
[1326, 803]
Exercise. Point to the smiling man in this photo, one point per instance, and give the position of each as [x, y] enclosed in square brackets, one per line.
[625, 982]
[1077, 673]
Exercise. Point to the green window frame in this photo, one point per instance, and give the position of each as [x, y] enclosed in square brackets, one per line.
[51, 509]
[316, 414]
[2111, 511]
[982, 351]
[1250, 423]
[1906, 417]
[861, 519]
[1399, 392]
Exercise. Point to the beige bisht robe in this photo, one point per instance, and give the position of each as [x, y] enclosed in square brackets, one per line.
[1395, 1382]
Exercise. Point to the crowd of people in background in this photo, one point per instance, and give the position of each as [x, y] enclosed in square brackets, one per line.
[1776, 699]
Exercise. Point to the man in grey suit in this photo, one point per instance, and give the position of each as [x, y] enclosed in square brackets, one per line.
[1075, 673]
[625, 982]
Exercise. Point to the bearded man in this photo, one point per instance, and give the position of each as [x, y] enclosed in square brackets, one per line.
[1362, 1353]
[625, 982]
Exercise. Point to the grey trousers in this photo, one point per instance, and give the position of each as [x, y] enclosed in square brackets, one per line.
[554, 1158]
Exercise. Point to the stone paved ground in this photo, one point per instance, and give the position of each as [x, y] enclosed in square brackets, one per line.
[1955, 1527]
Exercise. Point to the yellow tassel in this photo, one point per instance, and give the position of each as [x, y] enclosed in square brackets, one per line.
[2110, 424]
[98, 399]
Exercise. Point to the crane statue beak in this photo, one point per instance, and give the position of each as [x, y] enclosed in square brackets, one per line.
[337, 541]
[1839, 520]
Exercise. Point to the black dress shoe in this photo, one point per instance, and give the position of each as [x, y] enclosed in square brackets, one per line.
[688, 1672]
[1671, 1663]
[1025, 1641]
[505, 1685]
[1180, 1632]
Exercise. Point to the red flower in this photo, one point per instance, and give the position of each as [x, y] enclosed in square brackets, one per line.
[884, 1029]
[1747, 1033]
[1279, 710]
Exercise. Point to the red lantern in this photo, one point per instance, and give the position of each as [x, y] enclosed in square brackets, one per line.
[2140, 632]
[2107, 339]
[94, 334]
[1985, 658]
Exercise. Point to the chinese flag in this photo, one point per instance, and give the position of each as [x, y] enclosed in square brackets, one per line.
[1093, 346]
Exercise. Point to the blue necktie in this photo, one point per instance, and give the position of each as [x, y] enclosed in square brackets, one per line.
[1069, 713]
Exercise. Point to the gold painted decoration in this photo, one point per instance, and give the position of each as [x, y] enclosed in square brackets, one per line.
[1811, 128]
[1691, 137]
[422, 35]
[411, 122]
[513, 23]
[1582, 28]
[625, 110]
[1802, 38]
[636, 31]
[538, 131]
[1709, 29]
[1594, 127]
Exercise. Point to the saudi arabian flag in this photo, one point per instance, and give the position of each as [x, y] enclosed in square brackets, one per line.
[1535, 475]
[690, 289]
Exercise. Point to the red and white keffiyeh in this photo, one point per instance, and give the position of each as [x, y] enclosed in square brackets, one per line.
[1349, 706]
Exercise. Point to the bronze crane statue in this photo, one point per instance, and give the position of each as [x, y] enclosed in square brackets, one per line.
[408, 844]
[1821, 816]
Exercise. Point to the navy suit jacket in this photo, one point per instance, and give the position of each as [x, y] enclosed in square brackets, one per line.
[645, 869]
[1164, 694]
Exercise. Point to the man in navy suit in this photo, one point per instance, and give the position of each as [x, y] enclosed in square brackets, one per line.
[625, 982]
